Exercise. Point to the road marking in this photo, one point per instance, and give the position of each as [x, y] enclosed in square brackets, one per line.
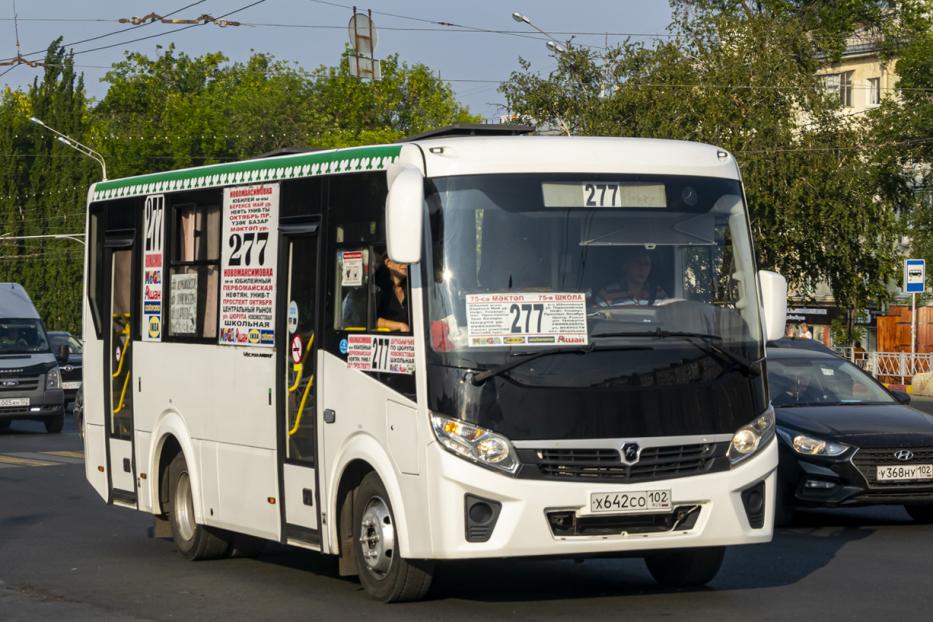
[66, 454]
[28, 462]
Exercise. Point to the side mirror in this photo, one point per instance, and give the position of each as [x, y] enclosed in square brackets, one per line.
[63, 353]
[774, 303]
[900, 396]
[405, 216]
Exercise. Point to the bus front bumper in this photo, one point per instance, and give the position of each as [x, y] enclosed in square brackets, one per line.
[707, 510]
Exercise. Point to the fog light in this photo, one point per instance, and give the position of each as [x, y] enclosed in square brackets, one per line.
[815, 483]
[754, 501]
[480, 516]
[35, 409]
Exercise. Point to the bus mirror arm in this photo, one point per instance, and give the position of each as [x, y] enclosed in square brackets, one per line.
[405, 215]
[774, 303]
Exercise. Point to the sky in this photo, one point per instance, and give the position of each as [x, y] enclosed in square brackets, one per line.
[314, 32]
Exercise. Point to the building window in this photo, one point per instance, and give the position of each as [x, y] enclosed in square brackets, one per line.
[839, 85]
[874, 91]
[194, 276]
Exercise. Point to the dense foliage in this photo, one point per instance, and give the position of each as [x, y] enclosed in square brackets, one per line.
[169, 112]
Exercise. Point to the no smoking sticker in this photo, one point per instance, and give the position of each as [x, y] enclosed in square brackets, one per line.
[297, 349]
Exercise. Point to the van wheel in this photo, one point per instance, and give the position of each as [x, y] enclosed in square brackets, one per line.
[192, 540]
[685, 568]
[384, 573]
[55, 423]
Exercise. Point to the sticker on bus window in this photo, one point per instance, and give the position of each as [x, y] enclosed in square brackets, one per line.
[526, 319]
[248, 259]
[352, 271]
[154, 233]
[292, 317]
[382, 353]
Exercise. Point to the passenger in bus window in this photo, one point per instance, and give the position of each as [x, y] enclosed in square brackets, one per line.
[636, 286]
[392, 310]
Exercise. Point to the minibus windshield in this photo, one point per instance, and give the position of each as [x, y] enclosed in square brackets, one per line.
[22, 336]
[524, 261]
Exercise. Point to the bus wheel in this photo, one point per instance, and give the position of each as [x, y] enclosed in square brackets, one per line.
[385, 575]
[686, 567]
[55, 423]
[192, 540]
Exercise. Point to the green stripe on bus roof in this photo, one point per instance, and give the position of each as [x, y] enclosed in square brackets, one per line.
[351, 160]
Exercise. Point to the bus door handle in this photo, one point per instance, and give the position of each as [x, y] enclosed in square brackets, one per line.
[329, 415]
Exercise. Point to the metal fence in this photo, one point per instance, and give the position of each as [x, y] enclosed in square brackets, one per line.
[899, 367]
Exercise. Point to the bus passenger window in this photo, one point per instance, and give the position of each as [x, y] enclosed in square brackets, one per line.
[194, 276]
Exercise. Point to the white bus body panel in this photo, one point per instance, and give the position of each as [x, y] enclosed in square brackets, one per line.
[476, 155]
[365, 410]
[218, 402]
[523, 530]
[298, 478]
[121, 452]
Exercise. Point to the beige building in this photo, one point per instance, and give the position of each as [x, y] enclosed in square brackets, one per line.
[861, 78]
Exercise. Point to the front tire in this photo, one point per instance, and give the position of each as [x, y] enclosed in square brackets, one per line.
[384, 573]
[55, 423]
[920, 513]
[687, 567]
[192, 540]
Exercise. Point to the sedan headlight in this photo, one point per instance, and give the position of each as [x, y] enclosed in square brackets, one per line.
[750, 438]
[475, 443]
[53, 379]
[810, 446]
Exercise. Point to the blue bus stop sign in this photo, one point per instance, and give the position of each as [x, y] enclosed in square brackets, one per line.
[914, 276]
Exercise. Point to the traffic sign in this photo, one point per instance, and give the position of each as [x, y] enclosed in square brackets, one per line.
[297, 349]
[914, 276]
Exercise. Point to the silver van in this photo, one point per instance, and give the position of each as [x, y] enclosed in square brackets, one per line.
[30, 380]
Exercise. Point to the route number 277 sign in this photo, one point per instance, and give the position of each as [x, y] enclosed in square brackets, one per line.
[248, 259]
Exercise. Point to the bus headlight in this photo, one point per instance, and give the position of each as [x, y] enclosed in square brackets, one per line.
[53, 379]
[475, 443]
[750, 438]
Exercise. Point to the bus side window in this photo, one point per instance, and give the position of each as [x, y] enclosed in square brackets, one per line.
[356, 239]
[194, 268]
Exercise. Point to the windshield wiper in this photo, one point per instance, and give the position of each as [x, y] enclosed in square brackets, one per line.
[520, 358]
[701, 341]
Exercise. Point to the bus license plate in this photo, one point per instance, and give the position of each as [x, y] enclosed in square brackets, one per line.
[631, 502]
[14, 401]
[905, 472]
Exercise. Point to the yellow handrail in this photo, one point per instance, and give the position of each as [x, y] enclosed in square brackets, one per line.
[125, 332]
[119, 407]
[301, 407]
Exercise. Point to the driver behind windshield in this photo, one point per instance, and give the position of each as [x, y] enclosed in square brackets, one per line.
[635, 286]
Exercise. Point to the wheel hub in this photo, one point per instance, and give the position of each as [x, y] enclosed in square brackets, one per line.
[377, 536]
[184, 508]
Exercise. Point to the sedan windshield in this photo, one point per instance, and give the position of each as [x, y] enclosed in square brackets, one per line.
[524, 261]
[22, 336]
[821, 381]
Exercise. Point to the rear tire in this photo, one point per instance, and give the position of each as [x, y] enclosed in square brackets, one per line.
[685, 568]
[192, 540]
[384, 573]
[920, 513]
[55, 423]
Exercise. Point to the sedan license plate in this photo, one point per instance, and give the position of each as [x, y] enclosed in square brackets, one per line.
[71, 385]
[631, 502]
[905, 472]
[14, 401]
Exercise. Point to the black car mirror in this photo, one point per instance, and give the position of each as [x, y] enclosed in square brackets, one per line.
[901, 396]
[63, 353]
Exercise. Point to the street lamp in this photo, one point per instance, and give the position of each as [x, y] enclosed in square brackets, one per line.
[552, 44]
[71, 142]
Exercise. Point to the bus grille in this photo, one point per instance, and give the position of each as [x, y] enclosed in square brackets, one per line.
[867, 462]
[654, 463]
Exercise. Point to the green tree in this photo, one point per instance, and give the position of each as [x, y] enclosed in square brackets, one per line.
[43, 189]
[742, 75]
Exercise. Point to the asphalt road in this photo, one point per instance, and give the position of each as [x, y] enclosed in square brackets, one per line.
[64, 555]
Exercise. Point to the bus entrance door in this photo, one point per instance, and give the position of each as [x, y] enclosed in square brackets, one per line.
[298, 420]
[118, 342]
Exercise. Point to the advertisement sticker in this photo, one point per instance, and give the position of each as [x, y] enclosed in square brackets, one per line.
[153, 230]
[382, 353]
[248, 260]
[526, 319]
